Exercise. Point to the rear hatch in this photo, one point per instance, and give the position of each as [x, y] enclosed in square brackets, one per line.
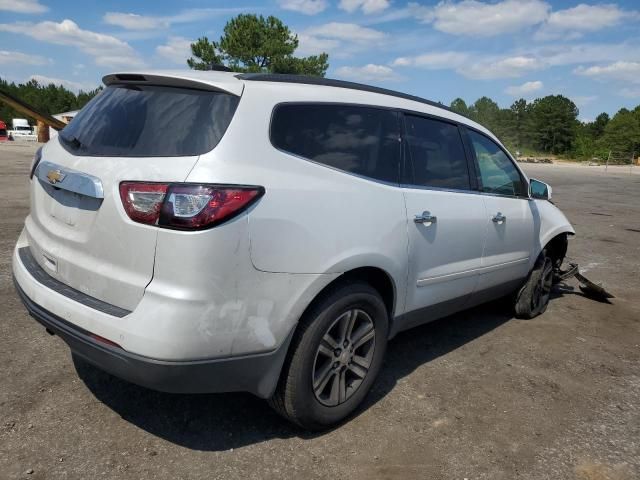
[140, 128]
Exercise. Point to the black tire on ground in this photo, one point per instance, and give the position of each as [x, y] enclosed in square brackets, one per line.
[324, 379]
[533, 297]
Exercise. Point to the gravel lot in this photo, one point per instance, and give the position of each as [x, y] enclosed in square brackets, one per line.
[476, 395]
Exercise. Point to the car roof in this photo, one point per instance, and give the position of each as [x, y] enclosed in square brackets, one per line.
[234, 83]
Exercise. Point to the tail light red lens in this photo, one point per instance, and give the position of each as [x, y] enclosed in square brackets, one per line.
[143, 201]
[186, 206]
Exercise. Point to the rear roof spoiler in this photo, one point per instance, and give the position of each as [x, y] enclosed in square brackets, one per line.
[205, 80]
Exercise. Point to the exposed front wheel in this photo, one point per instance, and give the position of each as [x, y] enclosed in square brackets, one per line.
[533, 298]
[334, 358]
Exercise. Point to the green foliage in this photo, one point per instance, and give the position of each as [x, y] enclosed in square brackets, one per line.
[550, 125]
[460, 106]
[554, 119]
[486, 112]
[315, 65]
[49, 99]
[253, 43]
[622, 133]
[205, 51]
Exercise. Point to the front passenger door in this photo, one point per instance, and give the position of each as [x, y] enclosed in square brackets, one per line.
[510, 218]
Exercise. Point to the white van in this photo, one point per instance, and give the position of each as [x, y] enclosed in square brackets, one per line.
[213, 232]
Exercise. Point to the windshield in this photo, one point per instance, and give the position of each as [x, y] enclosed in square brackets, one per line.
[149, 121]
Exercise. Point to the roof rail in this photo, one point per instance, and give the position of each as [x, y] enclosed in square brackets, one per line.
[217, 67]
[330, 82]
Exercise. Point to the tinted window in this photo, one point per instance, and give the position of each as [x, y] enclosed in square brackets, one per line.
[359, 140]
[496, 171]
[150, 121]
[436, 154]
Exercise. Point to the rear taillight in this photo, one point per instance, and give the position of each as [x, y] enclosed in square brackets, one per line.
[36, 160]
[143, 201]
[185, 206]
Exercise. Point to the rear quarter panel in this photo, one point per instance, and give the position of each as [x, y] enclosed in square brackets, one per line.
[312, 219]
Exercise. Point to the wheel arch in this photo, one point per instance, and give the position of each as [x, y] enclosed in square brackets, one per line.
[557, 247]
[378, 278]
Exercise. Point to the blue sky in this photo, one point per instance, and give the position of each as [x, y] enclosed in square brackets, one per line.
[589, 52]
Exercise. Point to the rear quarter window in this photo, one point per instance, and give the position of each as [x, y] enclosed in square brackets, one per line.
[150, 121]
[355, 139]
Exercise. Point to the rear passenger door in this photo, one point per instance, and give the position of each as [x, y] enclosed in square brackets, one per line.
[445, 218]
[510, 217]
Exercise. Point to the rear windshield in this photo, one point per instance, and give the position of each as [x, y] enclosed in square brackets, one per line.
[3, 132]
[149, 121]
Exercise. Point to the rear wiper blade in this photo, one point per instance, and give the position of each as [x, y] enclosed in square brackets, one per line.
[72, 140]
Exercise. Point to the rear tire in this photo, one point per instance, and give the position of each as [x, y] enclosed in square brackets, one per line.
[334, 357]
[533, 298]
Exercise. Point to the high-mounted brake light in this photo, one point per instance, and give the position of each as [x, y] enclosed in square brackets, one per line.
[186, 206]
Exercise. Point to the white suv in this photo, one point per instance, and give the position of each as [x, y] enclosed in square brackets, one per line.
[214, 232]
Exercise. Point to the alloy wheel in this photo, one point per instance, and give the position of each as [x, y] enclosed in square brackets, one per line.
[343, 357]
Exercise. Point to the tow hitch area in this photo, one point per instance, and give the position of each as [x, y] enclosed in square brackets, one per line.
[587, 287]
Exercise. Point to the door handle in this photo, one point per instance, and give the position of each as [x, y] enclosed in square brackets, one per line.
[499, 218]
[425, 218]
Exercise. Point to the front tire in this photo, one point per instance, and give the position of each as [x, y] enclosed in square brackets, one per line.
[334, 358]
[533, 298]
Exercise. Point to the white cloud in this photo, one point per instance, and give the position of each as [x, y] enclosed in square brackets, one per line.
[131, 21]
[509, 67]
[312, 45]
[433, 61]
[308, 7]
[9, 57]
[177, 49]
[68, 84]
[522, 61]
[341, 40]
[367, 6]
[474, 18]
[633, 92]
[346, 31]
[106, 50]
[573, 22]
[623, 71]
[23, 6]
[525, 89]
[583, 100]
[571, 54]
[368, 73]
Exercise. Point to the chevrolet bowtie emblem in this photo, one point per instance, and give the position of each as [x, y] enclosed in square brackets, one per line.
[55, 176]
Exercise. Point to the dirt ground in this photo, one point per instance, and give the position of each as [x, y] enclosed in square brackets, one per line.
[479, 395]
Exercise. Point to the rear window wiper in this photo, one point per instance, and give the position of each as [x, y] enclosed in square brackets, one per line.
[72, 141]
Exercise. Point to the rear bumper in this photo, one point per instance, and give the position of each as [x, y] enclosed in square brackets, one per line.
[257, 374]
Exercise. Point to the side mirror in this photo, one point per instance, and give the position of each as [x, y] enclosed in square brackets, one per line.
[539, 190]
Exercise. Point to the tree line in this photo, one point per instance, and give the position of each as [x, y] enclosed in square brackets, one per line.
[550, 125]
[49, 99]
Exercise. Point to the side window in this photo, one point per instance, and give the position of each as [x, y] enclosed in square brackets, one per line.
[496, 171]
[436, 154]
[360, 140]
